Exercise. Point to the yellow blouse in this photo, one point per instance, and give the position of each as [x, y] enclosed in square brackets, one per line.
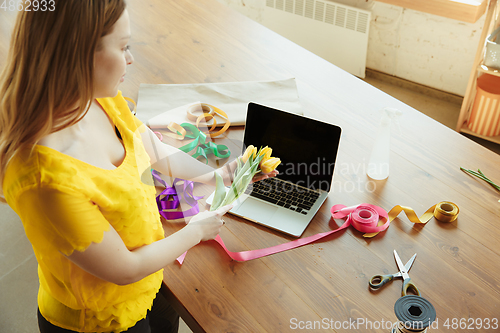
[65, 205]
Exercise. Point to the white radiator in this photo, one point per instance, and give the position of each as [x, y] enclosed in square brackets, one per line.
[335, 32]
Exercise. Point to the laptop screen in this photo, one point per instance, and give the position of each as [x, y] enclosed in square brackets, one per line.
[307, 147]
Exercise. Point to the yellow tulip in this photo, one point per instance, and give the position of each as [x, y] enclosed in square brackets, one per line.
[261, 160]
[270, 164]
[250, 151]
[266, 151]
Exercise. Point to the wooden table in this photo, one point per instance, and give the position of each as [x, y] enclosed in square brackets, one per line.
[458, 264]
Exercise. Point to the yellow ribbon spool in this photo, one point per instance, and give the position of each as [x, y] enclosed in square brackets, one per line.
[445, 211]
[208, 112]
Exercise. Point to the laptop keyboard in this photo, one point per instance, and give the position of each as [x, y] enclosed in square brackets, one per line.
[284, 194]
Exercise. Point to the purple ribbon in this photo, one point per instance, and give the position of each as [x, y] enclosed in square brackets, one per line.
[171, 197]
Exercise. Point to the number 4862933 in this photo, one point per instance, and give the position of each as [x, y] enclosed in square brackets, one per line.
[28, 5]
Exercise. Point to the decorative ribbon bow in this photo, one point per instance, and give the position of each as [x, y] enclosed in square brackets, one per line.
[171, 197]
[203, 148]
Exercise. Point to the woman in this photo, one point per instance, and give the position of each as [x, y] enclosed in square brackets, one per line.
[72, 165]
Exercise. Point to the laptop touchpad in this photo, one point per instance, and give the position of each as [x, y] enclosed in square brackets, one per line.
[255, 210]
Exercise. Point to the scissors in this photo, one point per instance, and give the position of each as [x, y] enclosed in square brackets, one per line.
[378, 281]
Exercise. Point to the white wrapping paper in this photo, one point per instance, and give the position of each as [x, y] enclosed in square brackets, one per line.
[163, 103]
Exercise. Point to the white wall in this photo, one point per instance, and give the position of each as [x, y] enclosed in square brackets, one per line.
[424, 48]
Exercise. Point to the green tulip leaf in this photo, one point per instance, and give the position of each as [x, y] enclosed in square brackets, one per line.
[220, 192]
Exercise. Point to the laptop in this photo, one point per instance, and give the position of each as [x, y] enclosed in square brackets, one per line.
[308, 150]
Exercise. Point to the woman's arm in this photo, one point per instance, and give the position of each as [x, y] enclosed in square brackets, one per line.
[68, 223]
[110, 259]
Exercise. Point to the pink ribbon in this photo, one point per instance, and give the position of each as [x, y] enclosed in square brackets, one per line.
[364, 218]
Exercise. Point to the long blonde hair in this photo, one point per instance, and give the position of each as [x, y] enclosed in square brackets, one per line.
[47, 83]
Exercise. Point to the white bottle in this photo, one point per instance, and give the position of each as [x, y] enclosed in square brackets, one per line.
[378, 165]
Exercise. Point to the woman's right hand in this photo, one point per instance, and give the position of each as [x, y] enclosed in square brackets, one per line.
[208, 223]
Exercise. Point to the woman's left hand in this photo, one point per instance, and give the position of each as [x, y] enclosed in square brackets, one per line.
[227, 173]
[262, 175]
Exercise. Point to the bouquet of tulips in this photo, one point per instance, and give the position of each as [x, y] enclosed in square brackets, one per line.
[248, 165]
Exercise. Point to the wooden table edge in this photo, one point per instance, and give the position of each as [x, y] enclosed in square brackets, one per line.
[181, 310]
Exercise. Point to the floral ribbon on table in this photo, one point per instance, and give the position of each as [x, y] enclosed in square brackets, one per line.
[364, 218]
[190, 131]
[171, 196]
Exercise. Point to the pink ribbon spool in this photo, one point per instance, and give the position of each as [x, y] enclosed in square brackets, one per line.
[363, 217]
